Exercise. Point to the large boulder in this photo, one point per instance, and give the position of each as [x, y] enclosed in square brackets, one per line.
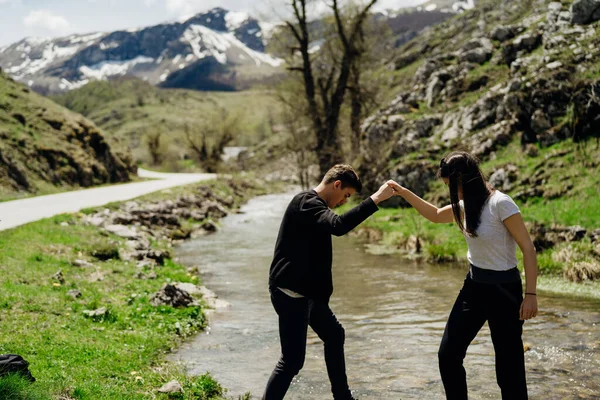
[585, 11]
[477, 51]
[503, 33]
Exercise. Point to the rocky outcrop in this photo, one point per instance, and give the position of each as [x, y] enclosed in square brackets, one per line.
[585, 11]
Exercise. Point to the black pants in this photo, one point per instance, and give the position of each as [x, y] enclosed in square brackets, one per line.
[295, 315]
[498, 304]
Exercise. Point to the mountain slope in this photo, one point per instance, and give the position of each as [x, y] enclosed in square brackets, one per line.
[46, 148]
[231, 44]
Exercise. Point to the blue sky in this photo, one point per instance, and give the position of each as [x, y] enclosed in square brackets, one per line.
[21, 18]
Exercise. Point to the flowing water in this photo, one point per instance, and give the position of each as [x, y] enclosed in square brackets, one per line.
[394, 312]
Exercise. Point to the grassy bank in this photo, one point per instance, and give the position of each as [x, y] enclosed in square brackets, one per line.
[116, 356]
[569, 184]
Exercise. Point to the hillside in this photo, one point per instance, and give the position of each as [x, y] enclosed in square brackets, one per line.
[45, 148]
[516, 86]
[132, 110]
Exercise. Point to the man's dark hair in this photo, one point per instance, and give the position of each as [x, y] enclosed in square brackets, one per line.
[344, 173]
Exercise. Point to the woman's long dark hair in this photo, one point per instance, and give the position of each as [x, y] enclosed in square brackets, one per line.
[462, 169]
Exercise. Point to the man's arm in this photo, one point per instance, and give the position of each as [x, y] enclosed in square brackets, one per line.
[339, 225]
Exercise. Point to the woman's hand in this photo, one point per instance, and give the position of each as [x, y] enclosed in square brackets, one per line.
[529, 307]
[396, 187]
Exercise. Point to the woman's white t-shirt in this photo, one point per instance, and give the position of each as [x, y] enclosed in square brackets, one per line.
[494, 247]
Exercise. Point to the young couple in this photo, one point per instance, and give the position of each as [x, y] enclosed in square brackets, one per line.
[300, 280]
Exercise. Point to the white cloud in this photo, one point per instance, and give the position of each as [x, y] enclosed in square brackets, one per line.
[184, 8]
[46, 20]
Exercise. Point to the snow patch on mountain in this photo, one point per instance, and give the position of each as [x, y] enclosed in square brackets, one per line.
[51, 53]
[206, 42]
[235, 19]
[106, 69]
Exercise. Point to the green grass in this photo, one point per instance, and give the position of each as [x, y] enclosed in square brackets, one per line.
[119, 356]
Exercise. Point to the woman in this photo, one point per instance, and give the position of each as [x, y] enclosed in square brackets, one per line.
[492, 226]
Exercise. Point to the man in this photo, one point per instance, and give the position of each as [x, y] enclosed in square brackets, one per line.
[300, 278]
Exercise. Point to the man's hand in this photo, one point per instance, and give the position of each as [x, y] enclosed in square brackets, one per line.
[396, 187]
[385, 192]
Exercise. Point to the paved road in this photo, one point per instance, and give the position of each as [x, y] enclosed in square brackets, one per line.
[19, 212]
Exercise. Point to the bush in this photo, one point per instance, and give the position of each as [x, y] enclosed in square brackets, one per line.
[106, 252]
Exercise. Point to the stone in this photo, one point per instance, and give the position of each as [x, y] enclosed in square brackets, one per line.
[503, 33]
[477, 56]
[513, 86]
[122, 231]
[539, 122]
[97, 313]
[585, 11]
[555, 6]
[171, 387]
[59, 277]
[171, 295]
[96, 277]
[74, 293]
[82, 263]
[190, 288]
[554, 65]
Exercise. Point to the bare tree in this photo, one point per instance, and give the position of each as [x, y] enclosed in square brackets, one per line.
[154, 147]
[325, 95]
[208, 140]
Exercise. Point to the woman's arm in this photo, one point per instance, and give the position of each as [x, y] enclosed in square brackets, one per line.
[517, 229]
[442, 215]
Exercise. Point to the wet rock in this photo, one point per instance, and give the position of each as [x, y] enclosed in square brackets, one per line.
[210, 227]
[585, 11]
[171, 295]
[171, 387]
[214, 210]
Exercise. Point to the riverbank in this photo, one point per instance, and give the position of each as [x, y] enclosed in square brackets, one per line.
[79, 302]
[568, 264]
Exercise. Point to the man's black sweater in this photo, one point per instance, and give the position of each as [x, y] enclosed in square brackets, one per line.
[303, 253]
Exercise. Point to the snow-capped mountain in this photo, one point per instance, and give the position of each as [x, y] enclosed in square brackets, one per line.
[218, 49]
